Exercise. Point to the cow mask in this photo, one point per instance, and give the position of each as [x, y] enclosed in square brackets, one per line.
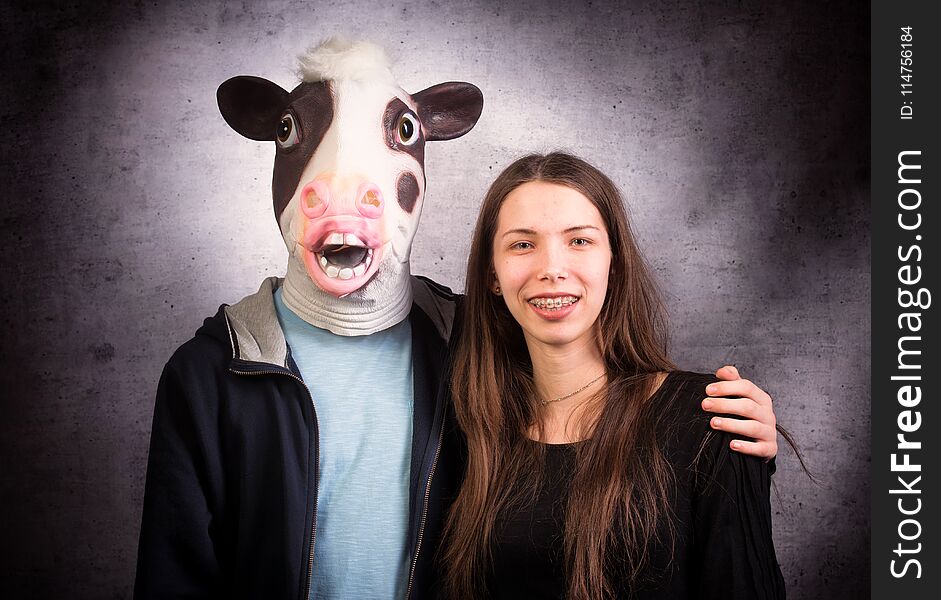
[349, 177]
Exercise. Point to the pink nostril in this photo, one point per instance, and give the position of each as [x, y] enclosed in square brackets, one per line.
[369, 201]
[315, 197]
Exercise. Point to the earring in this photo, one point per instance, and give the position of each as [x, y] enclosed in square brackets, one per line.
[496, 290]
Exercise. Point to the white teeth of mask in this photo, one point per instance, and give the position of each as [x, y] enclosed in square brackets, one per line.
[351, 240]
[335, 272]
[334, 239]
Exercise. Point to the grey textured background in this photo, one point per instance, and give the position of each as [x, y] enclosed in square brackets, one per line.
[739, 131]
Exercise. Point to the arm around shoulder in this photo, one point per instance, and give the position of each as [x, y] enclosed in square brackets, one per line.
[732, 513]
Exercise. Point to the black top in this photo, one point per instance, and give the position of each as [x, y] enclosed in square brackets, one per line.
[723, 546]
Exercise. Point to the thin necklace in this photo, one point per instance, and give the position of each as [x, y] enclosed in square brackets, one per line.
[581, 389]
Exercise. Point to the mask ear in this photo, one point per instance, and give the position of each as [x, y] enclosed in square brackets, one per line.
[449, 110]
[252, 106]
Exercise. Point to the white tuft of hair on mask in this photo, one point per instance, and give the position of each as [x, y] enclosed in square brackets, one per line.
[339, 58]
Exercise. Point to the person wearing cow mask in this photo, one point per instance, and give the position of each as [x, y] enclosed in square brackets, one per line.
[302, 444]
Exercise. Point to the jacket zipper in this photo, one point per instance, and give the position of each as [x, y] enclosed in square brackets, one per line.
[424, 513]
[315, 428]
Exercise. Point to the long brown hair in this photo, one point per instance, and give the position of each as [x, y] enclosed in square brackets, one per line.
[619, 496]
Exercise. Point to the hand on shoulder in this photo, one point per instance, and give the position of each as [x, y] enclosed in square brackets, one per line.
[733, 395]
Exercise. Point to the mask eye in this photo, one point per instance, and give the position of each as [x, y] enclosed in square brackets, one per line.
[288, 134]
[406, 130]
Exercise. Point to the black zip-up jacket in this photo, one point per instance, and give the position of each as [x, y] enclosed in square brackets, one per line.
[230, 502]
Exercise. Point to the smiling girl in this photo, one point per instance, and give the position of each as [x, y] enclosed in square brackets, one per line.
[592, 471]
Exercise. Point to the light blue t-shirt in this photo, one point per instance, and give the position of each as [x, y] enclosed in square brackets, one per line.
[363, 395]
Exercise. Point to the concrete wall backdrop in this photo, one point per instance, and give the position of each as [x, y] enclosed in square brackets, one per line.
[739, 131]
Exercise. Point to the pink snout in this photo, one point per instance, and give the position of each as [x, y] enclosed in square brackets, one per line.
[315, 199]
[318, 196]
[369, 201]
